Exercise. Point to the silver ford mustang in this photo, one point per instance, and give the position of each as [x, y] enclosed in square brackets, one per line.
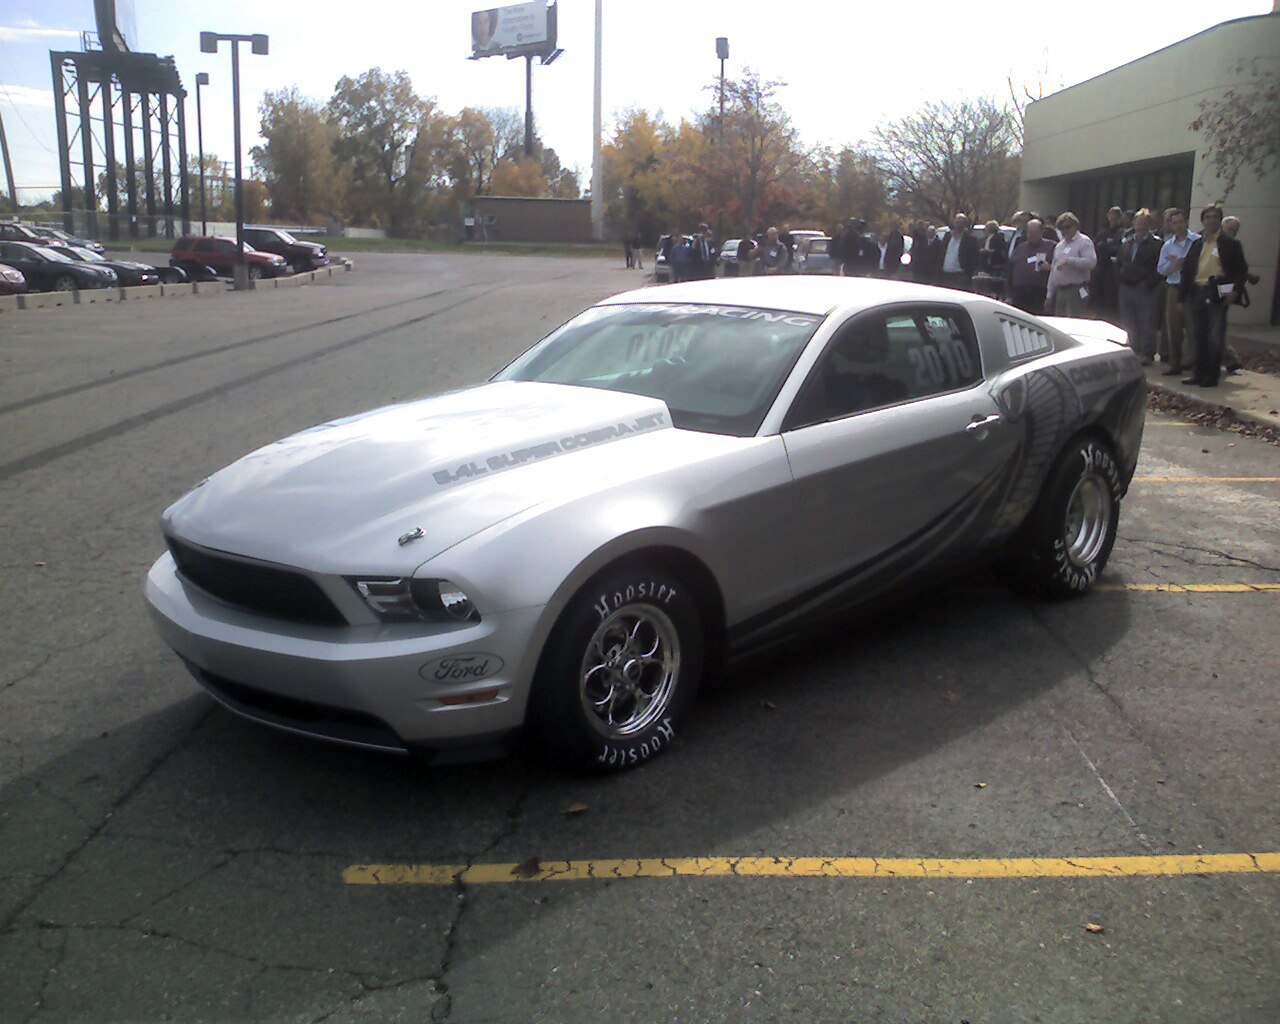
[674, 478]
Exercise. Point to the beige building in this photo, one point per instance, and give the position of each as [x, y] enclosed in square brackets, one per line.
[1122, 139]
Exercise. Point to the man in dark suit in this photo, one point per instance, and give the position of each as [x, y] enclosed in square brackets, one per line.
[890, 250]
[1213, 277]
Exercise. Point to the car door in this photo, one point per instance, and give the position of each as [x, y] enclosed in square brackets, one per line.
[897, 450]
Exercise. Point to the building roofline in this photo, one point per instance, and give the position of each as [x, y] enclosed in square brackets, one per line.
[1187, 39]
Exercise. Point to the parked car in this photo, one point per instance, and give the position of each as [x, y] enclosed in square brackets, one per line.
[11, 280]
[47, 269]
[129, 273]
[63, 238]
[11, 230]
[813, 256]
[670, 479]
[300, 255]
[220, 254]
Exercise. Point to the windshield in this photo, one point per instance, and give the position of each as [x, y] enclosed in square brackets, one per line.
[287, 238]
[52, 254]
[86, 255]
[718, 368]
[818, 245]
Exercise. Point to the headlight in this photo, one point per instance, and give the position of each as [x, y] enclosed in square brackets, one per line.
[403, 599]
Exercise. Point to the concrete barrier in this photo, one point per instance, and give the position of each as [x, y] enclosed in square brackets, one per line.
[49, 300]
[142, 291]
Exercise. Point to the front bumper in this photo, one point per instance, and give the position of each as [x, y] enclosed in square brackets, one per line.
[382, 686]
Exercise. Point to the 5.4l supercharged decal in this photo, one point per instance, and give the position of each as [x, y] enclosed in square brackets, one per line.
[484, 465]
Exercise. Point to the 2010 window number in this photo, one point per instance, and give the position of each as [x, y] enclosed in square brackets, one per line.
[941, 364]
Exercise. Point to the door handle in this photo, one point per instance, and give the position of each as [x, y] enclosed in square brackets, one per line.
[980, 426]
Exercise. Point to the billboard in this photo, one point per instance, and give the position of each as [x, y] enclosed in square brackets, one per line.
[117, 24]
[511, 31]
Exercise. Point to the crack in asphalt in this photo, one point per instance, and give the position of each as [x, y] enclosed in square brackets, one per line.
[49, 973]
[1171, 548]
[443, 1009]
[94, 831]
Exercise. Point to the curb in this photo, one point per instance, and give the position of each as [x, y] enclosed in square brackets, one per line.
[90, 296]
[1227, 413]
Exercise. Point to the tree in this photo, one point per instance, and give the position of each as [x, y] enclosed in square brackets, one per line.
[296, 160]
[634, 170]
[754, 150]
[1242, 127]
[518, 178]
[377, 116]
[951, 158]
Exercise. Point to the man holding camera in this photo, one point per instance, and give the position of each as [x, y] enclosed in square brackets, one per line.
[1213, 277]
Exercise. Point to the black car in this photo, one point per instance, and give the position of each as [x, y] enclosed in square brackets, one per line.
[129, 273]
[52, 270]
[13, 231]
[301, 255]
[56, 236]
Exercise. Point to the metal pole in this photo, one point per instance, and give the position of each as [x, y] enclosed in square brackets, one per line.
[722, 100]
[241, 274]
[184, 192]
[109, 151]
[528, 104]
[86, 149]
[8, 168]
[64, 144]
[597, 166]
[148, 162]
[204, 224]
[130, 184]
[166, 164]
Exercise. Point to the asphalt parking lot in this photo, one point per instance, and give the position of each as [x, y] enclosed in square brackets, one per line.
[974, 808]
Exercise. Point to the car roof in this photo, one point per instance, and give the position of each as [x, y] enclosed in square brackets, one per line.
[813, 295]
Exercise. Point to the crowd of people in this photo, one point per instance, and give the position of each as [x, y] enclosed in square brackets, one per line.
[1169, 287]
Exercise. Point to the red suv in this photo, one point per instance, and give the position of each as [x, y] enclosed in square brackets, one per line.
[220, 254]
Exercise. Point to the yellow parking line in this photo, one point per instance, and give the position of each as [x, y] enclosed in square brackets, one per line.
[1191, 588]
[812, 867]
[1207, 479]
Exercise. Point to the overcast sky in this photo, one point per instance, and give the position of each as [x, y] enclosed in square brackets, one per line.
[847, 65]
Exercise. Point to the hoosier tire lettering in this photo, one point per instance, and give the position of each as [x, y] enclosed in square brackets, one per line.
[622, 667]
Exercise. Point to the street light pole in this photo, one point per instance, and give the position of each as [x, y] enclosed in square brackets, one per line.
[202, 78]
[258, 43]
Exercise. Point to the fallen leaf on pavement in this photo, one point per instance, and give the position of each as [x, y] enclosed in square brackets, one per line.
[979, 785]
[1204, 451]
[1095, 929]
[39, 565]
[527, 868]
[769, 705]
[951, 696]
[576, 809]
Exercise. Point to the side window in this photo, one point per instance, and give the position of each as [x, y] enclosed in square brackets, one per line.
[882, 359]
[203, 245]
[226, 248]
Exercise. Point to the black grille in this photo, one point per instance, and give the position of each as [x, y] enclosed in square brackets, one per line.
[277, 593]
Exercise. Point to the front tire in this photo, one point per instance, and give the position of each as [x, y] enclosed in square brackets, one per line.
[255, 272]
[620, 672]
[64, 283]
[1065, 543]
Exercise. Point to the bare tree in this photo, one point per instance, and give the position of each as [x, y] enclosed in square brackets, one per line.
[1242, 127]
[951, 158]
[756, 147]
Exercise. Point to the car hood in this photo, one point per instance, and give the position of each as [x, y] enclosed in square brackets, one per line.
[338, 497]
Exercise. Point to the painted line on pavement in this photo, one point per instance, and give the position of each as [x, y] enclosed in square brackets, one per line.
[1207, 479]
[812, 867]
[1190, 588]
